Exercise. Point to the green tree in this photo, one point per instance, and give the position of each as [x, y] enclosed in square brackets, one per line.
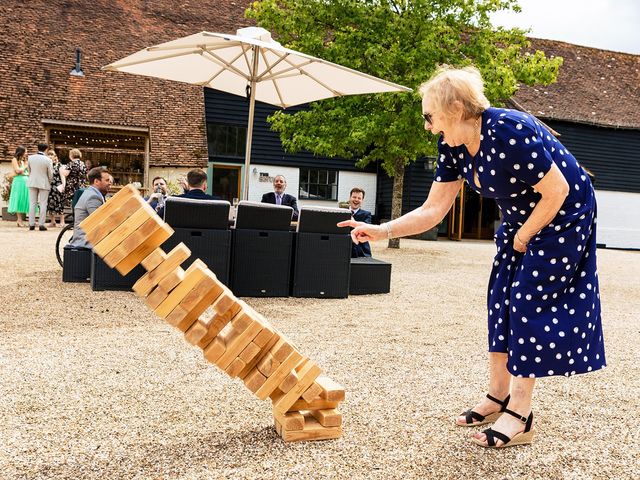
[400, 41]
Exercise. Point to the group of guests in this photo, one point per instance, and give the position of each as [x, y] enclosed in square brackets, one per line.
[196, 186]
[42, 185]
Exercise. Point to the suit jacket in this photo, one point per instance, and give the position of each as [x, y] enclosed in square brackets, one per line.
[89, 201]
[40, 171]
[288, 200]
[193, 194]
[361, 249]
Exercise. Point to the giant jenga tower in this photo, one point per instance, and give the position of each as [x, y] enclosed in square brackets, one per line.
[126, 232]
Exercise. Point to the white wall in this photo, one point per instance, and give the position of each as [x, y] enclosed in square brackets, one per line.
[257, 188]
[346, 181]
[618, 219]
[366, 181]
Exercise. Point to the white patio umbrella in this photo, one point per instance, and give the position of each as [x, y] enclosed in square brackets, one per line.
[250, 63]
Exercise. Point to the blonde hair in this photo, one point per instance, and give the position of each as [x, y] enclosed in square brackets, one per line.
[449, 85]
[75, 154]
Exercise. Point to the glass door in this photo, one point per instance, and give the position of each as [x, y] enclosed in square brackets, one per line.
[225, 181]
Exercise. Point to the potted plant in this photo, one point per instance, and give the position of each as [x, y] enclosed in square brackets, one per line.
[5, 193]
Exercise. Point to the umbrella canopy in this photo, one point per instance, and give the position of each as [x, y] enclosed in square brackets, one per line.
[250, 62]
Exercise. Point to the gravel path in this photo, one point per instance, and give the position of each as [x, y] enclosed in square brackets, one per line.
[92, 385]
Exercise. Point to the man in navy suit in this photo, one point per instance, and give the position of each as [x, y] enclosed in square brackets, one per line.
[359, 215]
[278, 197]
[197, 182]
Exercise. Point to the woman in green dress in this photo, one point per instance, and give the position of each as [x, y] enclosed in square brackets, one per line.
[19, 196]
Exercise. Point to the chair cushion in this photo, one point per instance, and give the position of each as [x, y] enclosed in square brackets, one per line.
[203, 214]
[323, 220]
[263, 216]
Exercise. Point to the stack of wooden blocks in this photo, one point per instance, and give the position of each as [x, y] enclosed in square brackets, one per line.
[126, 232]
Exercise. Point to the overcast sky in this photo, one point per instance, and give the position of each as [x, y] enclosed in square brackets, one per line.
[606, 24]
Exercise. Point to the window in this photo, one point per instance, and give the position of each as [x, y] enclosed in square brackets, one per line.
[226, 140]
[318, 184]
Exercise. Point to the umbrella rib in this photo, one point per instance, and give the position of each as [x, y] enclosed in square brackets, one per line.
[219, 61]
[269, 67]
[263, 76]
[116, 65]
[159, 48]
[280, 73]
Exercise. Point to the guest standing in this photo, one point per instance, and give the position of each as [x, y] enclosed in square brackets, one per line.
[55, 202]
[76, 173]
[40, 176]
[19, 197]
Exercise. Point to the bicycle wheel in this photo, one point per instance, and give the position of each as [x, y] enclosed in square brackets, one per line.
[63, 238]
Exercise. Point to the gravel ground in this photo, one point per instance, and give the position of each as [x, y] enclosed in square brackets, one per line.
[92, 385]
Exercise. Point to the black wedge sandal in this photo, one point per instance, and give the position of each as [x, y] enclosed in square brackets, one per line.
[470, 415]
[522, 438]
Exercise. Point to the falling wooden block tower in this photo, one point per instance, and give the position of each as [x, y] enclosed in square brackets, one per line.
[126, 232]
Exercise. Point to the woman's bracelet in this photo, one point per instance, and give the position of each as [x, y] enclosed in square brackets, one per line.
[520, 240]
[387, 226]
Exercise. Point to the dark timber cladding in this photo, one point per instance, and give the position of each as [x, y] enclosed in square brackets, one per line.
[417, 182]
[610, 154]
[226, 109]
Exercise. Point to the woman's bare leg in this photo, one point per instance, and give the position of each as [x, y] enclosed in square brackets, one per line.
[499, 383]
[520, 402]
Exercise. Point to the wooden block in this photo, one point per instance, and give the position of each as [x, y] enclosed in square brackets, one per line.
[225, 301]
[235, 367]
[331, 390]
[267, 365]
[132, 242]
[254, 380]
[149, 280]
[154, 259]
[281, 372]
[139, 254]
[263, 351]
[277, 426]
[238, 343]
[172, 280]
[265, 335]
[214, 350]
[195, 302]
[289, 382]
[315, 405]
[156, 297]
[312, 393]
[307, 375]
[114, 220]
[249, 353]
[180, 292]
[328, 418]
[122, 231]
[313, 430]
[102, 214]
[290, 421]
[212, 328]
[282, 350]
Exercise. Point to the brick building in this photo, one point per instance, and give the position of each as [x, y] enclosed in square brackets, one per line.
[134, 124]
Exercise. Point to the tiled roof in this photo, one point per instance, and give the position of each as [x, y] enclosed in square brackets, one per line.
[598, 87]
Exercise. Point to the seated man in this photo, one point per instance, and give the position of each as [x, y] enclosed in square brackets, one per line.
[160, 192]
[359, 215]
[278, 197]
[197, 182]
[100, 180]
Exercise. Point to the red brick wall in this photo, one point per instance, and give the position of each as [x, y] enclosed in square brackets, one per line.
[37, 48]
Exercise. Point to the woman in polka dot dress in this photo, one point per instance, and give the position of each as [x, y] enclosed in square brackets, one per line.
[543, 297]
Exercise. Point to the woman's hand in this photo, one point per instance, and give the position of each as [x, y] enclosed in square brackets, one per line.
[520, 242]
[364, 232]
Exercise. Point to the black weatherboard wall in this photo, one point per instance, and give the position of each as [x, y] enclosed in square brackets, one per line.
[226, 109]
[610, 154]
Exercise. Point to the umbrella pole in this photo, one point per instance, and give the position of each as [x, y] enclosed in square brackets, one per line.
[252, 105]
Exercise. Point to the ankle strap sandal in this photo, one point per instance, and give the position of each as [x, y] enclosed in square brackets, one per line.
[480, 419]
[522, 438]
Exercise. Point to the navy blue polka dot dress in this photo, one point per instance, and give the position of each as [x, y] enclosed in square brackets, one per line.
[544, 305]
